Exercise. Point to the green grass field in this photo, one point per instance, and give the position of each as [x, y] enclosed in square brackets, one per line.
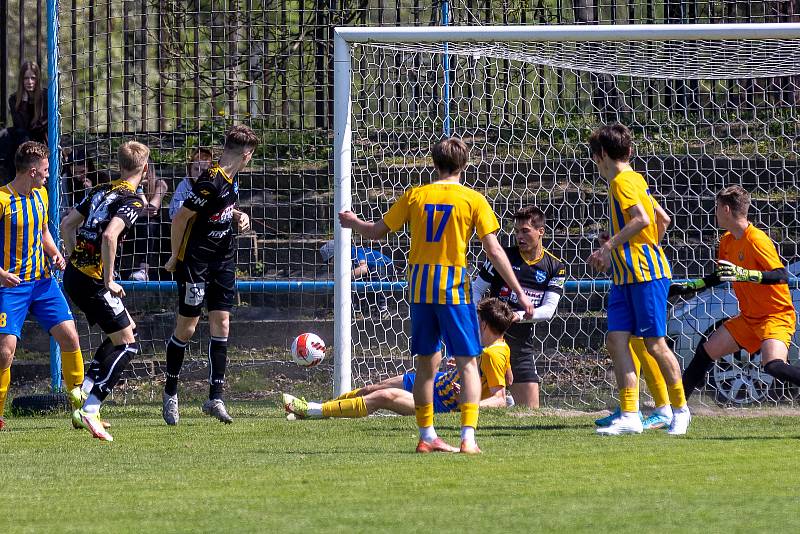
[265, 474]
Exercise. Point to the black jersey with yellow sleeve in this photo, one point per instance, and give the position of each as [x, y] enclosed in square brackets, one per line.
[209, 234]
[99, 207]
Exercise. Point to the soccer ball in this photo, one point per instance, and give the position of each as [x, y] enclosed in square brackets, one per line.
[308, 350]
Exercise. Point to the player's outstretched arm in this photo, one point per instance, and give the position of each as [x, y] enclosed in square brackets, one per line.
[108, 250]
[370, 230]
[496, 255]
[69, 225]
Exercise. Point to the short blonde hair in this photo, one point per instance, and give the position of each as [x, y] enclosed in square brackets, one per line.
[132, 155]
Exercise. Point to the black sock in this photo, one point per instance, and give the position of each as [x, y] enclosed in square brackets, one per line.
[695, 373]
[218, 360]
[111, 368]
[102, 352]
[176, 350]
[783, 371]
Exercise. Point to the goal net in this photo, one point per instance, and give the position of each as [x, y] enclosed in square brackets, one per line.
[709, 106]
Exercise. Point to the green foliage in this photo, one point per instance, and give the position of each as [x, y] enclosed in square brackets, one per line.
[264, 474]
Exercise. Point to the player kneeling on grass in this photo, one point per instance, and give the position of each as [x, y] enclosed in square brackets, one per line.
[101, 220]
[767, 318]
[395, 394]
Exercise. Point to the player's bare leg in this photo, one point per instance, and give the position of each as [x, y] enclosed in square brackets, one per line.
[526, 394]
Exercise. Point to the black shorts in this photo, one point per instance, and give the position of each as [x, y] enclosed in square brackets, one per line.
[95, 301]
[214, 282]
[520, 340]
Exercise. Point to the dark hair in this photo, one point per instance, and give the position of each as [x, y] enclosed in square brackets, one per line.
[496, 314]
[38, 95]
[530, 214]
[615, 140]
[736, 198]
[241, 138]
[450, 155]
[29, 154]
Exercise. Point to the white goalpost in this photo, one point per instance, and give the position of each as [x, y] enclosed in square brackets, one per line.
[709, 105]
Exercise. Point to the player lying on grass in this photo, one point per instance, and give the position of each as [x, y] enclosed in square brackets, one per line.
[102, 219]
[442, 217]
[26, 269]
[767, 319]
[644, 363]
[394, 393]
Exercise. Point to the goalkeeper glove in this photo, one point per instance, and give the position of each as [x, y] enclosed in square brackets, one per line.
[690, 287]
[728, 272]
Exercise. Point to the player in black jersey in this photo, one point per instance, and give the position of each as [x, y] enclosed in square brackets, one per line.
[203, 249]
[101, 220]
[542, 277]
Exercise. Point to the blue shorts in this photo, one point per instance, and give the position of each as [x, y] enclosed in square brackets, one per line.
[44, 299]
[639, 308]
[454, 324]
[439, 405]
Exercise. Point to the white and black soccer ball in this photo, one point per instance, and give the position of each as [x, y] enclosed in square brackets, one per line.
[308, 350]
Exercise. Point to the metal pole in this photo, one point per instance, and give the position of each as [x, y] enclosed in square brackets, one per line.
[54, 182]
[342, 313]
[446, 68]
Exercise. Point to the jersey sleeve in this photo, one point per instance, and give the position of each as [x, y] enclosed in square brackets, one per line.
[129, 211]
[202, 196]
[484, 217]
[765, 253]
[85, 205]
[397, 215]
[722, 249]
[487, 272]
[557, 278]
[624, 192]
[494, 363]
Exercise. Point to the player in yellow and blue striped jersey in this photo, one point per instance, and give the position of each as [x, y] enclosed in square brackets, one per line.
[26, 280]
[442, 216]
[641, 277]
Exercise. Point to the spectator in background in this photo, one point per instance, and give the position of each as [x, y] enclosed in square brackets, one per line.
[147, 234]
[200, 161]
[28, 108]
[79, 175]
[368, 264]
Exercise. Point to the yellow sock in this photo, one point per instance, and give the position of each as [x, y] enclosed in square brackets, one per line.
[350, 394]
[654, 380]
[72, 368]
[424, 413]
[629, 399]
[469, 414]
[676, 395]
[636, 344]
[345, 408]
[5, 379]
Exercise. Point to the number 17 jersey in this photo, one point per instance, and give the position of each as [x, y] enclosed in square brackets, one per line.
[442, 218]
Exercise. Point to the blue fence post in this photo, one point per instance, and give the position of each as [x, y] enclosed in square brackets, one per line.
[53, 141]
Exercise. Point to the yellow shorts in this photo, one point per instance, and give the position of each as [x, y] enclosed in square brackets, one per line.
[750, 333]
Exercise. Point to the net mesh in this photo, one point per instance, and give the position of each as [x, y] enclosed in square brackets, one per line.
[526, 110]
[176, 75]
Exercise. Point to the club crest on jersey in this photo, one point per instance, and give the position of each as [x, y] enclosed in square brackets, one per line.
[741, 255]
[541, 276]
